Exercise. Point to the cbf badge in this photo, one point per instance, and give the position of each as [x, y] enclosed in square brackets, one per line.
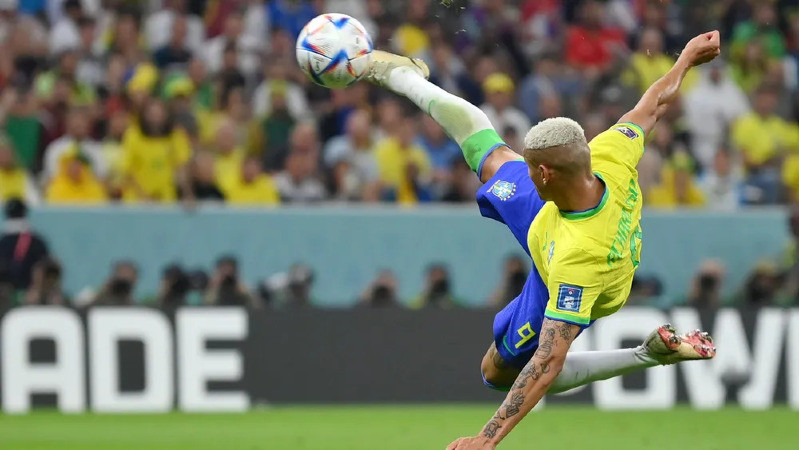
[504, 190]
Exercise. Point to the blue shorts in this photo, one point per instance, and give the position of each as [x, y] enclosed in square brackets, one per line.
[510, 197]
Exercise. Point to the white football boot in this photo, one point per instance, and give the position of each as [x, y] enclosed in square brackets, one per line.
[383, 63]
[665, 346]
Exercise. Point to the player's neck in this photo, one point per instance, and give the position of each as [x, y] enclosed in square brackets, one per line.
[584, 194]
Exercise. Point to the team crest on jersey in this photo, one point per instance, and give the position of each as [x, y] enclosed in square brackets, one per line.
[504, 190]
[551, 252]
[569, 298]
[627, 131]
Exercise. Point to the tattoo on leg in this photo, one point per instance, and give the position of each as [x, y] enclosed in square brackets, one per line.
[497, 359]
[491, 429]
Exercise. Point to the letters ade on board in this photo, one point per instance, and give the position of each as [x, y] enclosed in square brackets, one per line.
[370, 356]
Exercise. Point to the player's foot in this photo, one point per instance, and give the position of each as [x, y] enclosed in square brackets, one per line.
[384, 62]
[665, 346]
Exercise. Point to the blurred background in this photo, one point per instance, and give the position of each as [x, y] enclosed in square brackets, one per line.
[169, 153]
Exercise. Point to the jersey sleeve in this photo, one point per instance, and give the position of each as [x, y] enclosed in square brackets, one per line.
[622, 144]
[574, 286]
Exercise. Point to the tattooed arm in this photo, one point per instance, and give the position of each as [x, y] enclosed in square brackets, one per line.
[529, 387]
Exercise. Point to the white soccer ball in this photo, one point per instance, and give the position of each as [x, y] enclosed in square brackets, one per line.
[334, 50]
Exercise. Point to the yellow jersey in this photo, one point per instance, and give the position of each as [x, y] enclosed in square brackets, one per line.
[587, 259]
[152, 161]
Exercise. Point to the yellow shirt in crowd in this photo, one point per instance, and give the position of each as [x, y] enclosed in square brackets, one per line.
[645, 70]
[228, 166]
[13, 183]
[761, 139]
[393, 162]
[261, 191]
[63, 189]
[152, 161]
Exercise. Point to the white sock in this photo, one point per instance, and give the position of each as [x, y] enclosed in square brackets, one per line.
[459, 118]
[586, 367]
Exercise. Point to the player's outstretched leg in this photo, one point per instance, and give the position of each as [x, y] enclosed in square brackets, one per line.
[663, 347]
[465, 123]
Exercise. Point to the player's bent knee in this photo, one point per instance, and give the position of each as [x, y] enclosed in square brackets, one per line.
[499, 378]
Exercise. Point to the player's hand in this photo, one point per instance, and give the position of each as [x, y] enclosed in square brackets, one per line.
[471, 443]
[703, 48]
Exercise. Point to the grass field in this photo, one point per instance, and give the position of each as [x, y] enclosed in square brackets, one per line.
[403, 427]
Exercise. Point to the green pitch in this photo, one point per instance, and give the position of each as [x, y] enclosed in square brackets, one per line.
[402, 427]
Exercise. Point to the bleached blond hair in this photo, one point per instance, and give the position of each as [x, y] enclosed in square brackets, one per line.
[555, 132]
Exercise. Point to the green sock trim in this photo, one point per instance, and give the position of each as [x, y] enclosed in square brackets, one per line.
[476, 146]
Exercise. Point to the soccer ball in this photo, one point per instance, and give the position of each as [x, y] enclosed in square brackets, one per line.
[334, 50]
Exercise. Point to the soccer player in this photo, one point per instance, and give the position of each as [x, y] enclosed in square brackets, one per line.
[575, 208]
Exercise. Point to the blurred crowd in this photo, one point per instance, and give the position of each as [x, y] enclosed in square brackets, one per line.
[161, 101]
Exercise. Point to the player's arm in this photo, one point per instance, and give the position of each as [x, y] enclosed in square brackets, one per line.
[657, 99]
[530, 386]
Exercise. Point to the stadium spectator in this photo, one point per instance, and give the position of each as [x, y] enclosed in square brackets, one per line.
[449, 72]
[549, 79]
[74, 182]
[500, 92]
[156, 153]
[707, 285]
[21, 248]
[514, 275]
[790, 259]
[277, 79]
[351, 159]
[463, 184]
[176, 52]
[203, 178]
[590, 45]
[45, 288]
[404, 168]
[710, 110]
[648, 63]
[437, 291]
[76, 141]
[270, 134]
[245, 49]
[250, 186]
[300, 182]
[440, 149]
[381, 292]
[15, 181]
[677, 187]
[228, 155]
[225, 287]
[162, 26]
[65, 34]
[764, 138]
[120, 286]
[722, 184]
[763, 28]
